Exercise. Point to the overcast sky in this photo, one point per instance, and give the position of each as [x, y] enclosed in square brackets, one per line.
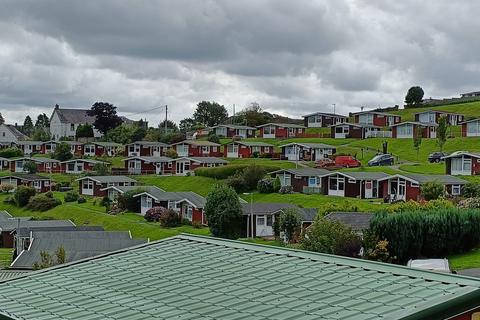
[292, 57]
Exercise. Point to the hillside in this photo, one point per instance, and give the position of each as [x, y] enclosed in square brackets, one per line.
[470, 110]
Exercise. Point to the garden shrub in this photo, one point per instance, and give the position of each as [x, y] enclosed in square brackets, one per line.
[213, 138]
[171, 153]
[276, 184]
[71, 196]
[81, 200]
[251, 175]
[265, 185]
[30, 166]
[344, 206]
[105, 202]
[289, 223]
[153, 214]
[470, 203]
[196, 224]
[42, 202]
[11, 152]
[170, 218]
[471, 190]
[236, 182]
[432, 190]
[412, 205]
[6, 187]
[286, 190]
[128, 202]
[22, 195]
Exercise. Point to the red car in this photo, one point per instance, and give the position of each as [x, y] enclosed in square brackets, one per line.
[339, 162]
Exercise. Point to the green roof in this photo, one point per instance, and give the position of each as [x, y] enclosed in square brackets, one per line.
[193, 277]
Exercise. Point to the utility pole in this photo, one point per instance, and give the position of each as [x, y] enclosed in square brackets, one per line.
[166, 118]
[334, 105]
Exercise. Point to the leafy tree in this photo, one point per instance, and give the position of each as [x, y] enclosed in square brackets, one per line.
[414, 96]
[171, 126]
[152, 134]
[171, 153]
[62, 152]
[101, 169]
[2, 120]
[124, 133]
[210, 113]
[46, 260]
[224, 212]
[290, 222]
[213, 138]
[253, 116]
[84, 131]
[40, 134]
[106, 117]
[30, 166]
[186, 125]
[471, 190]
[27, 126]
[127, 201]
[432, 190]
[442, 132]
[11, 152]
[417, 139]
[22, 195]
[331, 237]
[42, 121]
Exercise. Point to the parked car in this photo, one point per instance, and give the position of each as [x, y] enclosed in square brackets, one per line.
[339, 162]
[436, 157]
[381, 160]
[439, 265]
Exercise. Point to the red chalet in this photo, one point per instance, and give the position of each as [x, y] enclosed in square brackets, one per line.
[95, 185]
[148, 165]
[232, 130]
[471, 128]
[99, 149]
[145, 149]
[463, 163]
[30, 147]
[432, 116]
[409, 129]
[4, 163]
[77, 166]
[41, 184]
[247, 149]
[197, 148]
[281, 130]
[356, 131]
[323, 120]
[306, 180]
[375, 118]
[46, 165]
[189, 164]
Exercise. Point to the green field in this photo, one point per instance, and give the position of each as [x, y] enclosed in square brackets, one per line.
[465, 261]
[284, 164]
[470, 110]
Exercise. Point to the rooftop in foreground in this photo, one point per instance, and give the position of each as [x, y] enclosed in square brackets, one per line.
[193, 277]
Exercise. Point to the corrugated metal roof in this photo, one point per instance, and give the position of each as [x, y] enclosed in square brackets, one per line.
[358, 221]
[305, 172]
[204, 159]
[310, 145]
[20, 222]
[109, 179]
[6, 274]
[192, 277]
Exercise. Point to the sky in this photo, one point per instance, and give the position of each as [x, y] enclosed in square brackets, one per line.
[291, 57]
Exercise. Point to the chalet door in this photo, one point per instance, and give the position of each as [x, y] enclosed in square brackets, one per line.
[156, 151]
[264, 226]
[87, 187]
[232, 150]
[433, 132]
[398, 189]
[368, 189]
[134, 166]
[336, 186]
[145, 204]
[180, 167]
[79, 166]
[292, 152]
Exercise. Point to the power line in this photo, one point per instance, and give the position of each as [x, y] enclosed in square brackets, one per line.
[132, 114]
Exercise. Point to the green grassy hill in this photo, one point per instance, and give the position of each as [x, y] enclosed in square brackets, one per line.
[470, 110]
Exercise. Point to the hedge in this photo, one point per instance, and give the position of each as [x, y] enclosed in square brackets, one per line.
[428, 234]
[224, 172]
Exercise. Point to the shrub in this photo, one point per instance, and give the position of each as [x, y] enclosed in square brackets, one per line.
[127, 201]
[171, 153]
[224, 172]
[62, 152]
[6, 187]
[251, 175]
[30, 166]
[170, 218]
[286, 190]
[236, 182]
[331, 237]
[470, 203]
[153, 214]
[265, 185]
[213, 138]
[289, 223]
[42, 202]
[101, 169]
[471, 190]
[276, 184]
[344, 206]
[186, 222]
[432, 190]
[22, 195]
[421, 205]
[196, 224]
[70, 196]
[105, 202]
[380, 252]
[10, 152]
[81, 200]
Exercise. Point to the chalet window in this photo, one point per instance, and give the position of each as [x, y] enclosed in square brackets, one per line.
[3, 134]
[72, 127]
[351, 180]
[87, 184]
[405, 130]
[214, 149]
[169, 165]
[414, 184]
[313, 181]
[46, 183]
[269, 130]
[189, 213]
[261, 221]
[286, 180]
[269, 220]
[456, 189]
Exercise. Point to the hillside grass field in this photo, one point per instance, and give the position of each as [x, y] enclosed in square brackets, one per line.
[471, 110]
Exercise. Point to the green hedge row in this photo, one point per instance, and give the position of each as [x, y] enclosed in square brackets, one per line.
[229, 170]
[430, 234]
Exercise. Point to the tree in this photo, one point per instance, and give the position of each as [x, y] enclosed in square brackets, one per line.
[253, 116]
[289, 224]
[442, 132]
[152, 134]
[186, 125]
[42, 121]
[2, 120]
[40, 134]
[22, 195]
[171, 126]
[124, 133]
[27, 126]
[417, 139]
[101, 169]
[62, 152]
[224, 212]
[331, 237]
[106, 117]
[414, 96]
[46, 260]
[84, 131]
[432, 190]
[210, 113]
[30, 167]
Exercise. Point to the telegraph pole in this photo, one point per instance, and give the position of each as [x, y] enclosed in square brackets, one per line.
[166, 118]
[334, 105]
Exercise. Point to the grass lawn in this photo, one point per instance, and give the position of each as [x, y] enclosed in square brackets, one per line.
[470, 110]
[386, 170]
[284, 164]
[5, 257]
[279, 142]
[466, 260]
[424, 168]
[200, 185]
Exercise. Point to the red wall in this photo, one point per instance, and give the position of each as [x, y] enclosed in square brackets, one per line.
[283, 132]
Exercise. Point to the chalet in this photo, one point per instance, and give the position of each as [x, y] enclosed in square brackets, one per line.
[409, 130]
[45, 165]
[432, 116]
[281, 130]
[95, 185]
[64, 122]
[9, 133]
[197, 148]
[364, 185]
[30, 147]
[40, 183]
[188, 204]
[76, 147]
[357, 221]
[4, 163]
[148, 165]
[99, 149]
[323, 120]
[145, 149]
[113, 192]
[78, 244]
[189, 164]
[77, 166]
[115, 285]
[232, 130]
[307, 151]
[306, 180]
[375, 118]
[247, 149]
[470, 94]
[355, 131]
[471, 128]
[8, 224]
[48, 147]
[407, 186]
[463, 163]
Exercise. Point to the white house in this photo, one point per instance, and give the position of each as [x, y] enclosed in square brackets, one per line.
[64, 122]
[8, 133]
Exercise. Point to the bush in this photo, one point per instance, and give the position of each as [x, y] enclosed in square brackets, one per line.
[432, 190]
[224, 172]
[42, 202]
[277, 184]
[186, 222]
[251, 175]
[331, 237]
[81, 200]
[286, 190]
[470, 203]
[170, 218]
[236, 182]
[153, 214]
[22, 195]
[30, 166]
[10, 152]
[471, 190]
[171, 153]
[71, 196]
[289, 223]
[344, 206]
[62, 152]
[430, 233]
[127, 201]
[6, 187]
[265, 185]
[420, 206]
[213, 138]
[105, 202]
[101, 169]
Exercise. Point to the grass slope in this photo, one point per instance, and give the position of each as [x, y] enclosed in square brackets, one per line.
[465, 261]
[470, 110]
